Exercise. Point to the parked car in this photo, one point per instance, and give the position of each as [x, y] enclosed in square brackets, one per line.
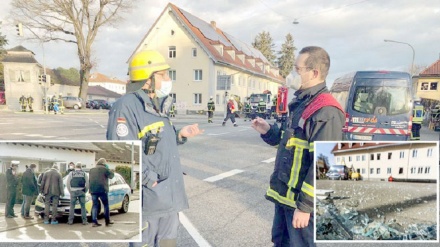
[89, 104]
[118, 198]
[100, 104]
[338, 172]
[72, 102]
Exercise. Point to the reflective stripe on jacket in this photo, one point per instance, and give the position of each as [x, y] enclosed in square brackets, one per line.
[291, 183]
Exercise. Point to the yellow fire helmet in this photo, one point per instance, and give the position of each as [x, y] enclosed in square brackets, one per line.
[144, 63]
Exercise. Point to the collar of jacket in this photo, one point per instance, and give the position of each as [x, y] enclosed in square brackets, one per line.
[165, 103]
[308, 92]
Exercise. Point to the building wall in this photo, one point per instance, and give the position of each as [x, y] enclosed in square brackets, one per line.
[428, 94]
[115, 87]
[41, 156]
[395, 161]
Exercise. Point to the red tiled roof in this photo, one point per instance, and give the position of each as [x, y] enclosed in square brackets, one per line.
[225, 58]
[433, 69]
[98, 77]
[345, 146]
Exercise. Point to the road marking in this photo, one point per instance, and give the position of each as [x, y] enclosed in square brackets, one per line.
[269, 160]
[18, 134]
[218, 134]
[33, 135]
[5, 123]
[223, 175]
[201, 242]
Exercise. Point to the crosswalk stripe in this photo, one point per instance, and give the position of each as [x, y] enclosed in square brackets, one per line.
[223, 175]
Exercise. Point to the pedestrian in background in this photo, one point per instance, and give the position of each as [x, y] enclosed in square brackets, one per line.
[11, 187]
[29, 190]
[141, 114]
[230, 112]
[314, 115]
[52, 188]
[30, 101]
[99, 176]
[71, 168]
[77, 185]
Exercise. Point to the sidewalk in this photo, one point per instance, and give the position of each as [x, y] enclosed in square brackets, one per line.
[7, 224]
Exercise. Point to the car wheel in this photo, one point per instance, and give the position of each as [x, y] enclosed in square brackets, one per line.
[124, 207]
[76, 107]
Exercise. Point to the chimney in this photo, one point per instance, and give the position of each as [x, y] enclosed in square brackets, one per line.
[214, 25]
[339, 145]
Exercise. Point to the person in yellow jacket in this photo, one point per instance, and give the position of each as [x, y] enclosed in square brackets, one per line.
[417, 120]
[23, 103]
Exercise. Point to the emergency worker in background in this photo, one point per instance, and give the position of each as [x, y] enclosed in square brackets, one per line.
[23, 103]
[417, 120]
[30, 101]
[211, 109]
[314, 115]
[173, 110]
[142, 114]
[247, 110]
[230, 112]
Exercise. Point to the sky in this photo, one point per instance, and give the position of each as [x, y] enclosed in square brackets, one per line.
[352, 31]
[325, 148]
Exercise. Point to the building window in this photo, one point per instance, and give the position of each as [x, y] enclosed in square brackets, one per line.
[358, 158]
[413, 170]
[414, 153]
[427, 169]
[389, 155]
[172, 74]
[402, 154]
[363, 170]
[378, 156]
[372, 157]
[197, 75]
[420, 170]
[400, 170]
[197, 98]
[433, 86]
[194, 52]
[172, 52]
[217, 99]
[363, 157]
[349, 158]
[429, 152]
[371, 170]
[378, 171]
[338, 159]
[389, 170]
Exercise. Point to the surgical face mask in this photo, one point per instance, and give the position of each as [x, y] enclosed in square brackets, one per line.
[165, 89]
[293, 80]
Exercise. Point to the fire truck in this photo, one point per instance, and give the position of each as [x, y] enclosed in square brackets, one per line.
[255, 98]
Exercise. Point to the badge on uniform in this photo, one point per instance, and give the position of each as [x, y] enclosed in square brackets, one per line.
[121, 130]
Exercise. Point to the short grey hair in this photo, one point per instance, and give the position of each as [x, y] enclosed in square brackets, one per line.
[318, 59]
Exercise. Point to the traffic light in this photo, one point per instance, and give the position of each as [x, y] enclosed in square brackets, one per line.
[41, 78]
[19, 27]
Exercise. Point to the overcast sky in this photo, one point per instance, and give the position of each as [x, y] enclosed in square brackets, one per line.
[352, 31]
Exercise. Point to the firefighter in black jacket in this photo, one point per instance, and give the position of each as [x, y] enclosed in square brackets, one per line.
[314, 116]
[11, 186]
[211, 109]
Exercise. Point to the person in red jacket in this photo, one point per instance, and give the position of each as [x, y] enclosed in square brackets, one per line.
[230, 113]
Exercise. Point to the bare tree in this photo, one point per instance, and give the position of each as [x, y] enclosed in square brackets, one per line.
[71, 21]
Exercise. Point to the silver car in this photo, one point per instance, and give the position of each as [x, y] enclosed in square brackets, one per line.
[72, 102]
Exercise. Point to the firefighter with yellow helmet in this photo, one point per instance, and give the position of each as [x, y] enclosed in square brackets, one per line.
[142, 114]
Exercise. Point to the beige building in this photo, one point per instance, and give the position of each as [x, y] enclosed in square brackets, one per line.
[410, 161]
[428, 82]
[112, 84]
[205, 61]
[21, 73]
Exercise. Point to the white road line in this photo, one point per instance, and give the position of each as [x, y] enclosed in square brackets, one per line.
[201, 242]
[18, 134]
[269, 160]
[223, 175]
[218, 134]
[5, 123]
[102, 126]
[33, 135]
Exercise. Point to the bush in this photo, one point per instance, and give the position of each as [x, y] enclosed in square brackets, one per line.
[125, 172]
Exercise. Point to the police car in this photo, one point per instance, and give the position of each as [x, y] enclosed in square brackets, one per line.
[118, 198]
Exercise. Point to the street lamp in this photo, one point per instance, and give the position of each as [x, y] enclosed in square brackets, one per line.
[414, 53]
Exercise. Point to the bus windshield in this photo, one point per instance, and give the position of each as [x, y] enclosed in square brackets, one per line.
[382, 100]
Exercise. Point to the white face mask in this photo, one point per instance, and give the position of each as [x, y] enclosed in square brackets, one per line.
[293, 80]
[165, 89]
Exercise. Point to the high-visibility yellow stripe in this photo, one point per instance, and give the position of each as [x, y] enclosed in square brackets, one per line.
[308, 189]
[296, 167]
[281, 199]
[297, 143]
[150, 127]
[312, 147]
